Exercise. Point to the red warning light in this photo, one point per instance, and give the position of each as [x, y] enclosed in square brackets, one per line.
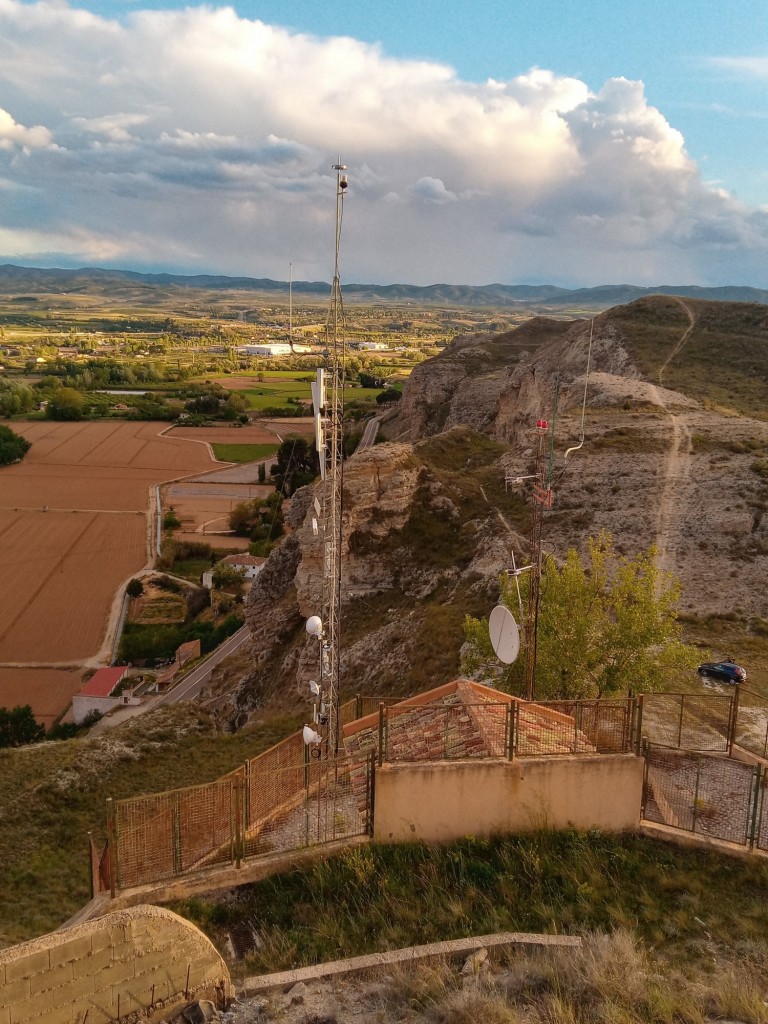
[541, 424]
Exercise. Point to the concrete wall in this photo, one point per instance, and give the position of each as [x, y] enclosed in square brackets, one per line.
[443, 801]
[60, 977]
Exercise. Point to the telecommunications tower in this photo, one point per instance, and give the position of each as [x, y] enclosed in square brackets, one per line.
[328, 404]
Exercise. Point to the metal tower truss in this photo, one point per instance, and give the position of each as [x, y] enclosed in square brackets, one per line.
[328, 401]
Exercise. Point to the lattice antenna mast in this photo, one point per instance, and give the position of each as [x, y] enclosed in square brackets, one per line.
[328, 399]
[541, 497]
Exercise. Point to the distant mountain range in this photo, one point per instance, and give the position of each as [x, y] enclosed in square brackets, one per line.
[14, 279]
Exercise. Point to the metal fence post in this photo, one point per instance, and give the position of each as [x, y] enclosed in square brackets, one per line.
[696, 794]
[514, 722]
[358, 706]
[680, 724]
[382, 752]
[371, 792]
[239, 834]
[733, 719]
[645, 751]
[639, 724]
[755, 816]
[177, 865]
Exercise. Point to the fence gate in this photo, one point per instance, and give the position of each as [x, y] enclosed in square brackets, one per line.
[320, 800]
[711, 796]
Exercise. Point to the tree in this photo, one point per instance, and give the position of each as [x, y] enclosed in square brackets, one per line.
[135, 588]
[388, 396]
[602, 630]
[18, 727]
[66, 404]
[13, 447]
[296, 464]
[225, 575]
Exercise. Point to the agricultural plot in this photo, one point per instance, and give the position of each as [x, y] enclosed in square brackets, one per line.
[73, 528]
[47, 690]
[63, 569]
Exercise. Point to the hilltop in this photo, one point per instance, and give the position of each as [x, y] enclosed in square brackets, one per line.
[429, 524]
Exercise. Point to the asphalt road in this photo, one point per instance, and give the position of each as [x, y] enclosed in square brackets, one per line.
[369, 434]
[191, 685]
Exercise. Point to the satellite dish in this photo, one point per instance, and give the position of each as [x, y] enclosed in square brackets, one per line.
[505, 635]
[314, 625]
[310, 736]
[314, 687]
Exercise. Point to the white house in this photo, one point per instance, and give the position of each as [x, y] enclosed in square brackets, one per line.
[250, 564]
[96, 694]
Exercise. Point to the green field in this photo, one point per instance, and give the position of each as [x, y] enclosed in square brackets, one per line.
[243, 452]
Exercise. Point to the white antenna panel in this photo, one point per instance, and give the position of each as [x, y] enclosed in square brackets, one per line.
[505, 635]
[319, 433]
[314, 527]
[318, 510]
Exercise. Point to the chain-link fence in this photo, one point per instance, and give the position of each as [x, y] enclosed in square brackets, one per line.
[751, 728]
[601, 726]
[438, 732]
[688, 721]
[712, 796]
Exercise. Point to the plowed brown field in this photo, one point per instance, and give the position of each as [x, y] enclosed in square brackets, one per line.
[73, 527]
[47, 690]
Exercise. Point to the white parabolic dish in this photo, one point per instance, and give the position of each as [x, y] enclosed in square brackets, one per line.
[505, 635]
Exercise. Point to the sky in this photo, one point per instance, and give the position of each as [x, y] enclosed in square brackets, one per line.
[556, 142]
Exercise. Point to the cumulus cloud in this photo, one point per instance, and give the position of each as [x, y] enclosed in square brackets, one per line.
[200, 140]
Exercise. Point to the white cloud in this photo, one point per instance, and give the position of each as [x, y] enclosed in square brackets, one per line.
[747, 67]
[16, 136]
[199, 140]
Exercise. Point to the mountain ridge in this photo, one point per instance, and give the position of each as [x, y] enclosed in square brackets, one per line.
[547, 296]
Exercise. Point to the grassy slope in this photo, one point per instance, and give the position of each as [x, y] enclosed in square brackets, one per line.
[383, 897]
[51, 796]
[724, 361]
[243, 452]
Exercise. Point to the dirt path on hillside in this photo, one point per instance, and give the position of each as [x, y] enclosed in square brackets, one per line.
[677, 485]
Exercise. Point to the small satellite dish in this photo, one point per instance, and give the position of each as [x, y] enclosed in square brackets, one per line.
[505, 635]
[314, 687]
[310, 736]
[314, 625]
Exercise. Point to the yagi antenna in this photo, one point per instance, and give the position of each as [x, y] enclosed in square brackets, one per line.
[584, 402]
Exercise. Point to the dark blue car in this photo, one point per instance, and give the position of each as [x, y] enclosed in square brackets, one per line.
[726, 671]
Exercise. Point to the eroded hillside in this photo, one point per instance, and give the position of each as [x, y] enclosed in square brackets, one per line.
[429, 524]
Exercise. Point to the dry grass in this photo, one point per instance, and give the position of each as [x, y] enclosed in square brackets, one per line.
[611, 979]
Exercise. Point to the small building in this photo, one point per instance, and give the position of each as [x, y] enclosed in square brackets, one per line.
[250, 564]
[97, 693]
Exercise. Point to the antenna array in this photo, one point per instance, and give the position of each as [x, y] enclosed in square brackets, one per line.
[328, 403]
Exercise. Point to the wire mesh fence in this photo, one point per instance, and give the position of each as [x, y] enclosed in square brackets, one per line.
[688, 721]
[701, 793]
[331, 803]
[430, 732]
[751, 727]
[438, 732]
[601, 726]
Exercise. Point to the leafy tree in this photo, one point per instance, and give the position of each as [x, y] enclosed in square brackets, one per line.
[13, 446]
[16, 398]
[170, 520]
[135, 588]
[262, 472]
[388, 396]
[66, 404]
[19, 727]
[225, 575]
[602, 630]
[296, 464]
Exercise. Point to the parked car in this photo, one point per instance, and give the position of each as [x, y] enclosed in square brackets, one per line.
[726, 671]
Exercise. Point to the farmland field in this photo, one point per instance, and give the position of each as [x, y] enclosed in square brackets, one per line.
[73, 528]
[47, 690]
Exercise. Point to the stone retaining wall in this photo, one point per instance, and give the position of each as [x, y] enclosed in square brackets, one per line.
[126, 961]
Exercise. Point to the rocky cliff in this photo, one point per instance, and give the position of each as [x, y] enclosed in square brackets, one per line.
[428, 523]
